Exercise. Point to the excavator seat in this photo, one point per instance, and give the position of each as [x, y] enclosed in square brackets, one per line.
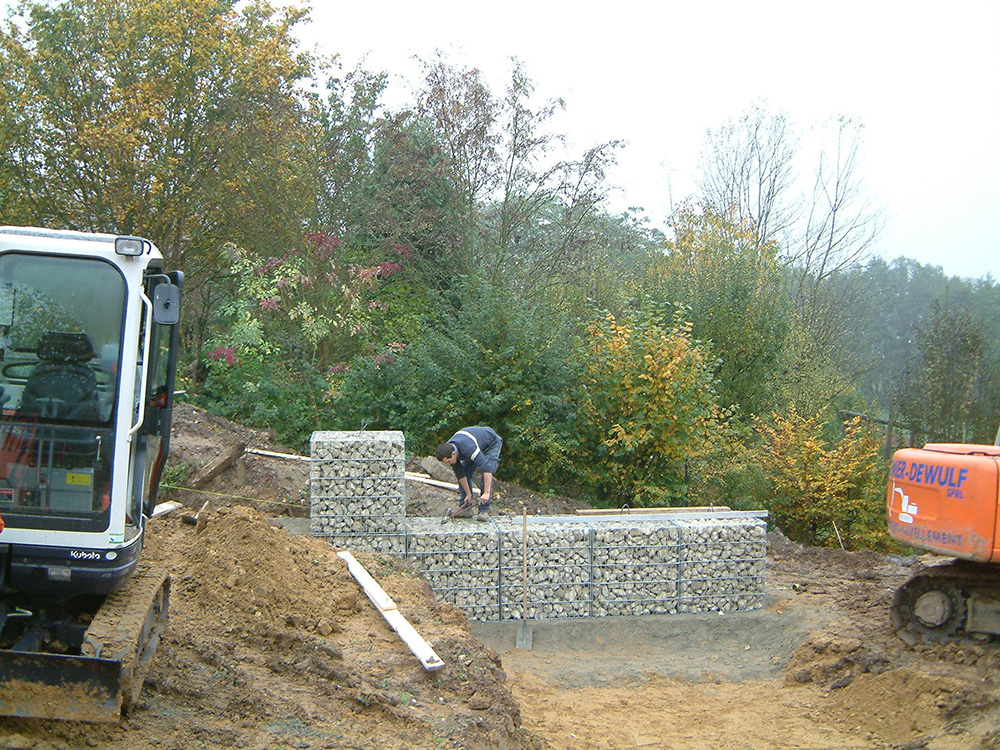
[62, 385]
[47, 464]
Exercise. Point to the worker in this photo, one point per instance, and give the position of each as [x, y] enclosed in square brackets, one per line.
[466, 451]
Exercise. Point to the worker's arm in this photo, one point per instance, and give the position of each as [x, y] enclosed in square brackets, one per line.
[463, 482]
[487, 488]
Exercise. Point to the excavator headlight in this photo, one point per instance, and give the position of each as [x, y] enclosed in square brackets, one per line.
[132, 246]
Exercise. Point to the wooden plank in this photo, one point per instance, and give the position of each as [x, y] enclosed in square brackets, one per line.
[420, 648]
[427, 480]
[218, 466]
[646, 511]
[272, 454]
[384, 604]
[371, 587]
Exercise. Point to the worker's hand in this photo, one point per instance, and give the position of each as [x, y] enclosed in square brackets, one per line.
[483, 499]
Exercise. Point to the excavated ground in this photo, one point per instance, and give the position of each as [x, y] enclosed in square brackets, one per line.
[272, 645]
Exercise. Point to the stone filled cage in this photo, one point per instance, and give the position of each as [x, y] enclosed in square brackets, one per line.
[678, 562]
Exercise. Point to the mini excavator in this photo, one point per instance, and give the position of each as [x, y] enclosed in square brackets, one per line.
[88, 352]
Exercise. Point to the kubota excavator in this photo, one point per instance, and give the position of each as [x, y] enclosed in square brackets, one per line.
[943, 498]
[88, 351]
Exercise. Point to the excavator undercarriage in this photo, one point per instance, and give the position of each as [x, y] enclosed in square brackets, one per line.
[958, 599]
[83, 658]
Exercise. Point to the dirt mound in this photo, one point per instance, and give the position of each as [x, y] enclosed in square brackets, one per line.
[267, 624]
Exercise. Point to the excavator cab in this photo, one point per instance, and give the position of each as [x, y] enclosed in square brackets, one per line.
[88, 352]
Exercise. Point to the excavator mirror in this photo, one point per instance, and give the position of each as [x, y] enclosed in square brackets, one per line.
[167, 304]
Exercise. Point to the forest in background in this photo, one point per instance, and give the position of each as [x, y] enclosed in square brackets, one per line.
[447, 263]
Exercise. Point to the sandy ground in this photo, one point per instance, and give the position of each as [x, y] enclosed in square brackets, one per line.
[818, 668]
[271, 645]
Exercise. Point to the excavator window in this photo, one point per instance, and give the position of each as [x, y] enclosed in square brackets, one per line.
[61, 327]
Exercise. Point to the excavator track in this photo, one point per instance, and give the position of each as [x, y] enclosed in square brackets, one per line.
[954, 600]
[128, 626]
[106, 677]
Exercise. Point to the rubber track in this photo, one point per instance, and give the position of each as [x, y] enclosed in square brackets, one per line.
[128, 627]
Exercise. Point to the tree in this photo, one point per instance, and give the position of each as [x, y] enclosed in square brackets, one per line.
[648, 407]
[837, 237]
[747, 174]
[732, 287]
[524, 211]
[463, 111]
[182, 120]
[940, 396]
[747, 171]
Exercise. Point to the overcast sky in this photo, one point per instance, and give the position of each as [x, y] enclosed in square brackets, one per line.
[923, 77]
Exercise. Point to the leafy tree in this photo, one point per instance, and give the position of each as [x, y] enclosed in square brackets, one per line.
[180, 120]
[420, 205]
[826, 234]
[382, 174]
[731, 284]
[463, 112]
[648, 407]
[351, 126]
[523, 213]
[940, 397]
[824, 492]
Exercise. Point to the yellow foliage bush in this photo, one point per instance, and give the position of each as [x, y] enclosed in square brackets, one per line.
[649, 406]
[824, 492]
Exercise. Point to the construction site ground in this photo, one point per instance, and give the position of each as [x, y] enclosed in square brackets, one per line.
[272, 645]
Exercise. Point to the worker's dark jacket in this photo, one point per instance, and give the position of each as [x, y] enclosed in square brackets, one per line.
[478, 448]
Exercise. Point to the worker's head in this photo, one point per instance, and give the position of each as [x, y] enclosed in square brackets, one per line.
[446, 453]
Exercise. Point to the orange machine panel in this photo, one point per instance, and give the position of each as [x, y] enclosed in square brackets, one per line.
[943, 498]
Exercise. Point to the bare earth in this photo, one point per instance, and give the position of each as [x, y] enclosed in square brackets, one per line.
[272, 645]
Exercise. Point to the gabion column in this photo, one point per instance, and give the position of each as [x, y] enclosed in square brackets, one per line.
[358, 491]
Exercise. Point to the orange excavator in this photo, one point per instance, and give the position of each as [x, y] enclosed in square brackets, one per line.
[943, 498]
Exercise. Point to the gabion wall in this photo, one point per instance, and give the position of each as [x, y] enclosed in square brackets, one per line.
[593, 568]
[576, 567]
[461, 561]
[357, 489]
